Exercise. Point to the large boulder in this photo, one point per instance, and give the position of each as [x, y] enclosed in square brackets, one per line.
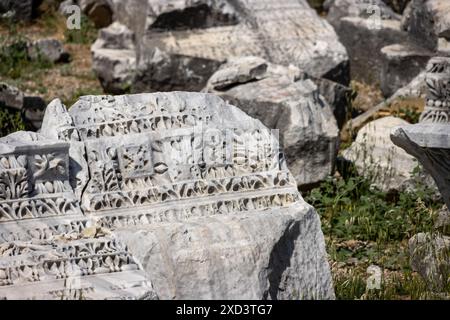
[48, 49]
[426, 21]
[366, 9]
[181, 44]
[401, 63]
[198, 193]
[283, 98]
[364, 40]
[10, 97]
[389, 167]
[114, 58]
[31, 107]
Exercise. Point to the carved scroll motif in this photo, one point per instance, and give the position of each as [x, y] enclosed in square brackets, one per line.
[437, 109]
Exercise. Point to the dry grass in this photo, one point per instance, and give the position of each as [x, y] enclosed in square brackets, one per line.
[66, 81]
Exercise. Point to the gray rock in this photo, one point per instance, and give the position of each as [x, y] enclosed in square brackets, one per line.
[246, 69]
[400, 65]
[430, 257]
[23, 10]
[284, 99]
[429, 140]
[114, 58]
[182, 44]
[426, 21]
[10, 97]
[48, 49]
[364, 42]
[416, 88]
[337, 96]
[198, 193]
[377, 158]
[366, 9]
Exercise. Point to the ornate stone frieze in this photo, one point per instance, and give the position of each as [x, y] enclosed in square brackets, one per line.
[202, 183]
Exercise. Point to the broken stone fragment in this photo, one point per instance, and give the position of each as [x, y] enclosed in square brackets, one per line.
[365, 9]
[48, 49]
[198, 193]
[240, 70]
[283, 98]
[33, 111]
[426, 21]
[10, 97]
[400, 65]
[364, 40]
[114, 58]
[32, 107]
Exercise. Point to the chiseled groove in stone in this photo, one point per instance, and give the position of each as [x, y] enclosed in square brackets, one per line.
[50, 226]
[231, 193]
[113, 262]
[71, 210]
[184, 213]
[131, 283]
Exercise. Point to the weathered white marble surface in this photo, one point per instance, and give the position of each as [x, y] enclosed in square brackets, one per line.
[175, 195]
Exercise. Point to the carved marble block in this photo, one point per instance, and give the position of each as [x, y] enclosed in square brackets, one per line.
[429, 140]
[46, 251]
[198, 192]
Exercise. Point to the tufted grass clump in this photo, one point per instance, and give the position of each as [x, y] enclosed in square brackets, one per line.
[365, 226]
[354, 209]
[10, 121]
